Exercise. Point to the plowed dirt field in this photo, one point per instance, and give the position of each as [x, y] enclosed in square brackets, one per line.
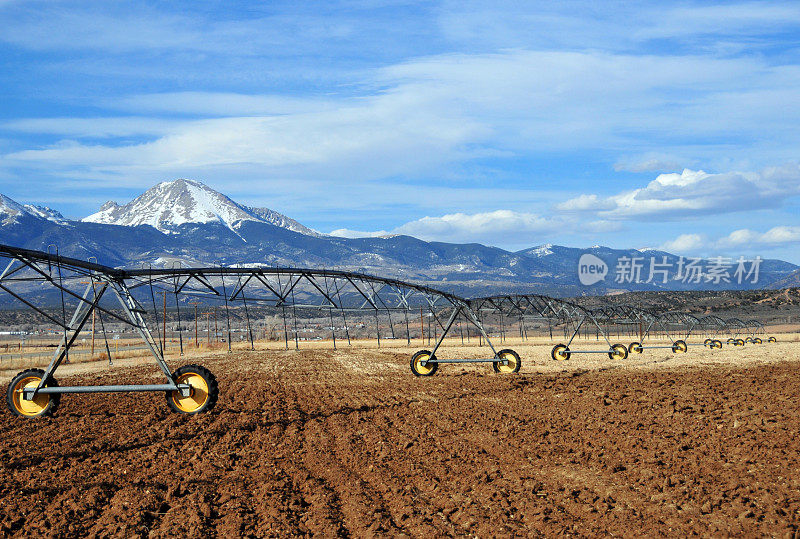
[350, 443]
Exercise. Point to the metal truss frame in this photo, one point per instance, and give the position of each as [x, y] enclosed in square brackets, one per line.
[735, 326]
[330, 291]
[678, 327]
[571, 315]
[712, 326]
[755, 327]
[297, 288]
[34, 267]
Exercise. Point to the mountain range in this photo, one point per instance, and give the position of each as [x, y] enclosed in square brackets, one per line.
[184, 221]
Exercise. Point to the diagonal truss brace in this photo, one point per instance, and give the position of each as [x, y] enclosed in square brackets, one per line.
[79, 318]
[458, 308]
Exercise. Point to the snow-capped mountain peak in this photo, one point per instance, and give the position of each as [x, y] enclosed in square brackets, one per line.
[44, 212]
[171, 204]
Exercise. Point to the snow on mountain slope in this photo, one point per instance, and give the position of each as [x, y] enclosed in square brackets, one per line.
[168, 205]
[45, 213]
[10, 209]
[541, 250]
[278, 219]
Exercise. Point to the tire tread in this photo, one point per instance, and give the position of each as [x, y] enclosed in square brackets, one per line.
[55, 398]
[213, 389]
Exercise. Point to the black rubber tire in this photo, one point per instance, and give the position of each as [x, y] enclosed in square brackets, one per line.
[52, 406]
[739, 342]
[617, 347]
[518, 362]
[679, 346]
[749, 340]
[708, 343]
[717, 343]
[211, 382]
[434, 366]
[757, 340]
[565, 351]
[772, 339]
[732, 341]
[636, 348]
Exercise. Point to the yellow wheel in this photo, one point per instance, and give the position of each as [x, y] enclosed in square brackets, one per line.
[41, 405]
[732, 341]
[739, 342]
[560, 352]
[717, 344]
[772, 339]
[679, 347]
[757, 340]
[708, 343]
[636, 348]
[202, 394]
[513, 365]
[748, 340]
[420, 365]
[618, 351]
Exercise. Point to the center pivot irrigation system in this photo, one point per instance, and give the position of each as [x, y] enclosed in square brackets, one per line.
[85, 289]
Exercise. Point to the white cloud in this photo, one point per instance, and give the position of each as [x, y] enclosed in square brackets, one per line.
[694, 193]
[650, 163]
[615, 26]
[94, 127]
[742, 239]
[223, 104]
[347, 233]
[46, 26]
[782, 234]
[776, 236]
[685, 243]
[511, 226]
[478, 24]
[500, 226]
[384, 135]
[367, 141]
[423, 115]
[745, 18]
[585, 203]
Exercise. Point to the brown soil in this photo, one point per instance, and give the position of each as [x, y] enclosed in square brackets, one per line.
[350, 443]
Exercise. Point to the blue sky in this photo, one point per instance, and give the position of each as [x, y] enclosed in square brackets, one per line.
[507, 123]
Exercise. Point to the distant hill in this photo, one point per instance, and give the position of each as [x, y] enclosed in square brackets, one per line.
[789, 281]
[186, 222]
